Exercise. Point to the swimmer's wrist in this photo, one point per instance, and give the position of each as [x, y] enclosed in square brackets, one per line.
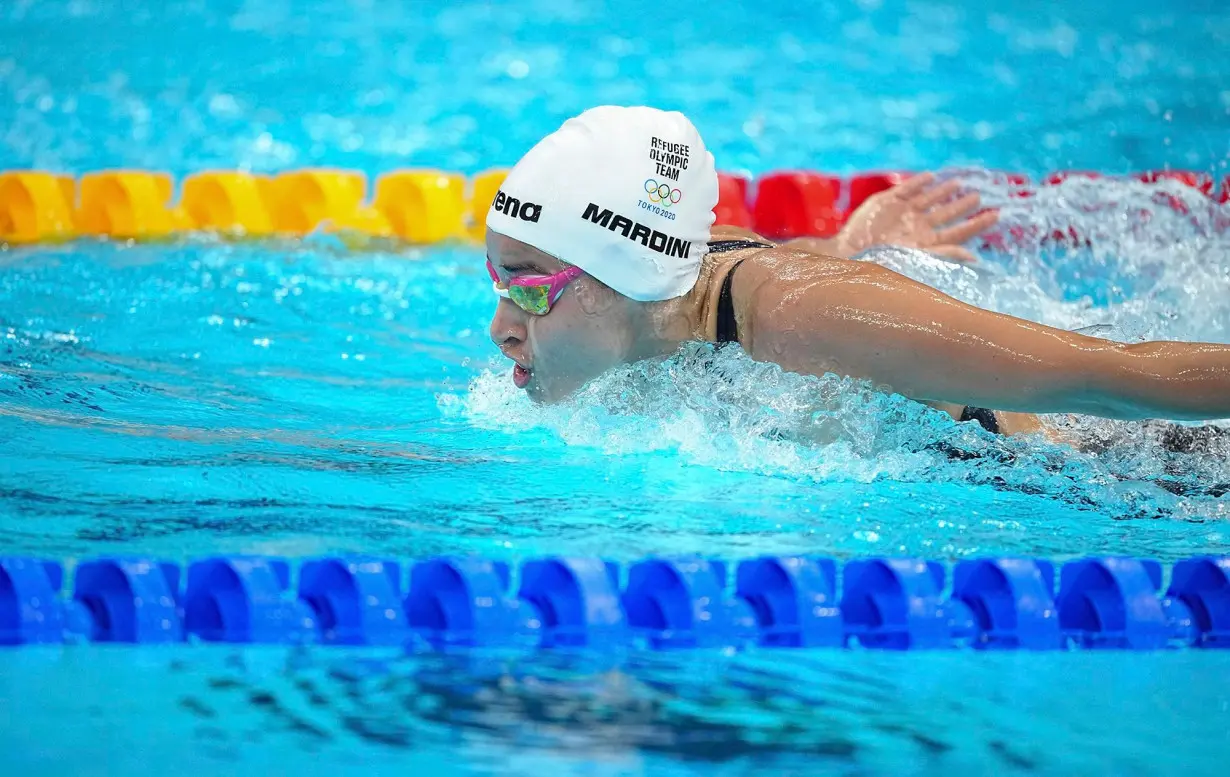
[1162, 379]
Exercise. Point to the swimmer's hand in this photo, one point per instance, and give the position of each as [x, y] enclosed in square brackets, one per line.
[917, 213]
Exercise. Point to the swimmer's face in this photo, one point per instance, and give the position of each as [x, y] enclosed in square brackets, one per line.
[586, 332]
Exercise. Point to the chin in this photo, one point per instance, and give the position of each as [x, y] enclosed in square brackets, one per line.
[539, 394]
[549, 393]
[535, 393]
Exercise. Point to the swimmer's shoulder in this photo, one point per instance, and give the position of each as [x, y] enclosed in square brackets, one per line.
[767, 274]
[772, 254]
[761, 278]
[725, 232]
[779, 268]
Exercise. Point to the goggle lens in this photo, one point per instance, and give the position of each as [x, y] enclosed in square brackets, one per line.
[534, 298]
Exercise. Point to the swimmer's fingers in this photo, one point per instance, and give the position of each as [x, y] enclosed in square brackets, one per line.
[925, 199]
[959, 233]
[913, 185]
[949, 212]
[954, 252]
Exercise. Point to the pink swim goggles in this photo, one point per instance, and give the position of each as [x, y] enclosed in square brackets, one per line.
[535, 294]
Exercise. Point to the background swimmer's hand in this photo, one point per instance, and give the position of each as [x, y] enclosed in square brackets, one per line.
[917, 213]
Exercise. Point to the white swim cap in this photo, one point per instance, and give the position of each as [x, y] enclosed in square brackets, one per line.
[626, 194]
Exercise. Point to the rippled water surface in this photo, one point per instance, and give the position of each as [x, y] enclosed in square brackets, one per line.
[298, 398]
[294, 398]
[137, 711]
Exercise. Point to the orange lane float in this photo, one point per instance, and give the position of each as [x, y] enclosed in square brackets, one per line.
[303, 200]
[129, 204]
[35, 207]
[797, 204]
[423, 206]
[731, 209]
[483, 189]
[429, 206]
[230, 202]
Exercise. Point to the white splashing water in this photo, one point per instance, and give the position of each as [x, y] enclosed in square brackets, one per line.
[1149, 271]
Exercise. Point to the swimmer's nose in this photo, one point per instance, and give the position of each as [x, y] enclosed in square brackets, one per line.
[508, 327]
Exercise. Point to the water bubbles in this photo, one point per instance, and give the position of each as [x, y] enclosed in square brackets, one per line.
[1145, 257]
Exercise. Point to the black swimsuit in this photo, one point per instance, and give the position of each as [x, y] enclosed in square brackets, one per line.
[728, 327]
[985, 418]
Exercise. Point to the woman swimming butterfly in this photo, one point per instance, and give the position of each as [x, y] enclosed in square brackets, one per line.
[601, 243]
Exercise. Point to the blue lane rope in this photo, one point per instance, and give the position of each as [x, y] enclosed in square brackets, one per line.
[667, 603]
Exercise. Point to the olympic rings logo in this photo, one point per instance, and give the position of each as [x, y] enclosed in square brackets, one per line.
[662, 193]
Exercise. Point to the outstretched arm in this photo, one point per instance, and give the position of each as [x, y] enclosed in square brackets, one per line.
[859, 319]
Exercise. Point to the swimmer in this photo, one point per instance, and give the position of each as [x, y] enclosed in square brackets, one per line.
[602, 246]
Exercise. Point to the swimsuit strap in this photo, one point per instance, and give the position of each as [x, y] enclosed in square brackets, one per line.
[722, 246]
[727, 327]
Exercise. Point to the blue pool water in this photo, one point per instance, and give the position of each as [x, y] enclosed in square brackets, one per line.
[296, 398]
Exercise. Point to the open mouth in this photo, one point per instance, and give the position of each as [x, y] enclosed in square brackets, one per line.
[520, 376]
